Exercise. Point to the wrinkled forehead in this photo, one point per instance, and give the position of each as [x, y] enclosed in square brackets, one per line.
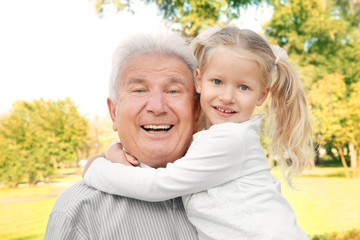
[149, 65]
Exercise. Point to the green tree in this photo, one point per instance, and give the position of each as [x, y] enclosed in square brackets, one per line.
[192, 15]
[10, 170]
[322, 35]
[353, 121]
[328, 98]
[100, 136]
[39, 136]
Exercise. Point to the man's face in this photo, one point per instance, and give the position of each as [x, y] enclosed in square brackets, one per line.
[155, 112]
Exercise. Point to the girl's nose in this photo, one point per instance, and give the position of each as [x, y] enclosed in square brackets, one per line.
[227, 95]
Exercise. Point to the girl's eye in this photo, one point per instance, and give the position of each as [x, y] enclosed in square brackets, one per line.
[243, 87]
[216, 81]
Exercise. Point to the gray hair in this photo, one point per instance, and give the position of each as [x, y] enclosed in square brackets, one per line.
[141, 44]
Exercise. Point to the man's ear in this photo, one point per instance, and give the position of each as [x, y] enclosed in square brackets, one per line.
[198, 81]
[263, 96]
[112, 112]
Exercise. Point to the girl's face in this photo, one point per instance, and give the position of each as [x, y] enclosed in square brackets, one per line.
[230, 88]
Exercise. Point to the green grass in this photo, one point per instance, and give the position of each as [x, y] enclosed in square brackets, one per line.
[326, 202]
[24, 211]
[7, 193]
[25, 220]
[67, 179]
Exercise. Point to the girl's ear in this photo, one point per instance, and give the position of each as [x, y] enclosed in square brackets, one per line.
[262, 97]
[198, 81]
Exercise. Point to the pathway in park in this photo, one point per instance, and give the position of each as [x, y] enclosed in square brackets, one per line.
[58, 189]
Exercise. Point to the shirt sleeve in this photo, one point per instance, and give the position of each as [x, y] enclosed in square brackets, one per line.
[210, 161]
[60, 227]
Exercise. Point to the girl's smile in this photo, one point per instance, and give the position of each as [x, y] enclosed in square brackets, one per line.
[224, 111]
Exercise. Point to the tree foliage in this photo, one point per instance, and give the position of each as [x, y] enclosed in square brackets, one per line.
[328, 98]
[38, 136]
[320, 33]
[353, 122]
[192, 15]
[338, 113]
[100, 136]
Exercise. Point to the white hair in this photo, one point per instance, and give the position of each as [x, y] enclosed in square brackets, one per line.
[168, 44]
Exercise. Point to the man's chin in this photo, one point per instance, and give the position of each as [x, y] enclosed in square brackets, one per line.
[159, 157]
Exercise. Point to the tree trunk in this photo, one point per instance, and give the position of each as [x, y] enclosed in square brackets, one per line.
[317, 155]
[55, 165]
[343, 161]
[32, 178]
[353, 160]
[357, 154]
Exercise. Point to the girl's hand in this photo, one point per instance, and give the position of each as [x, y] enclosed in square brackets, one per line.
[116, 154]
[90, 161]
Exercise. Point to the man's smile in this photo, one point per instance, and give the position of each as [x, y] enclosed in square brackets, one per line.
[157, 128]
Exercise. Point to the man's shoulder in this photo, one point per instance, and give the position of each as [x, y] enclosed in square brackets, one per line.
[76, 197]
[90, 212]
[79, 198]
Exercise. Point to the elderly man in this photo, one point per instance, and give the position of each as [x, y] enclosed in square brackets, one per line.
[153, 108]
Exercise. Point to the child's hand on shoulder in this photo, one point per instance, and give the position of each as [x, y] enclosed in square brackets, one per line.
[90, 161]
[116, 154]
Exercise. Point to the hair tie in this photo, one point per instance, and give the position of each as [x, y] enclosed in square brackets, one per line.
[279, 53]
[204, 36]
[276, 61]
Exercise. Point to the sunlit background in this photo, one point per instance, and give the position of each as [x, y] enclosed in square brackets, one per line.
[54, 49]
[60, 51]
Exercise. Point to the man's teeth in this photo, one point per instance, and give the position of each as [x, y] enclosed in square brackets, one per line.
[157, 127]
[225, 111]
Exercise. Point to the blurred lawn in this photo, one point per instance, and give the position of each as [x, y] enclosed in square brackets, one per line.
[25, 220]
[325, 202]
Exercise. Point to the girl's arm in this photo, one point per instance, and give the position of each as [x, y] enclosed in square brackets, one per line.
[115, 154]
[90, 161]
[210, 161]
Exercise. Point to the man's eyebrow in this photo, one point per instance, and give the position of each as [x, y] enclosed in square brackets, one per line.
[177, 80]
[136, 80]
[171, 80]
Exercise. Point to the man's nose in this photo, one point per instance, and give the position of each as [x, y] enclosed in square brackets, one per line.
[227, 95]
[156, 103]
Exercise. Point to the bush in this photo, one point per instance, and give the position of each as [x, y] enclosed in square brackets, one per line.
[353, 234]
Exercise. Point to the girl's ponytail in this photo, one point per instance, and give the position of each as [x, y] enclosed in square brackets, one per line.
[289, 122]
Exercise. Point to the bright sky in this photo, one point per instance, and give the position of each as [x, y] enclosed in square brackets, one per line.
[52, 49]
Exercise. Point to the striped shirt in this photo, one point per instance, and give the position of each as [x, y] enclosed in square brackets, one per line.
[82, 212]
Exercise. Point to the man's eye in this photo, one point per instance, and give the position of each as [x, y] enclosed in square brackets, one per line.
[173, 91]
[243, 87]
[139, 90]
[216, 81]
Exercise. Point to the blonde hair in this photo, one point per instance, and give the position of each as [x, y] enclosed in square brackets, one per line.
[290, 132]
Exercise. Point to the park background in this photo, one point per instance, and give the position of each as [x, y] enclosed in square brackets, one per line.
[55, 59]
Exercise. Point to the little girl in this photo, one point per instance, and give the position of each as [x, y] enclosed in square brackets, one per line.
[224, 178]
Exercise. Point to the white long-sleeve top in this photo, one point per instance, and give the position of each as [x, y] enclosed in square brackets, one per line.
[226, 184]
